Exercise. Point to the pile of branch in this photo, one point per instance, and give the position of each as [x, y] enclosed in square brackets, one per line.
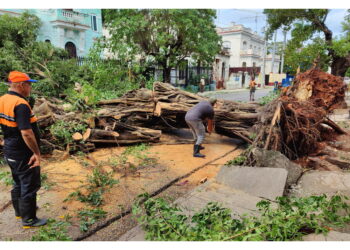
[140, 116]
[296, 123]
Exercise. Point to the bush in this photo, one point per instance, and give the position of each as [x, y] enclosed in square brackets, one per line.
[272, 95]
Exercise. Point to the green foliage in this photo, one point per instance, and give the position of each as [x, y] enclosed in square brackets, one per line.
[89, 216]
[19, 50]
[239, 160]
[140, 155]
[53, 231]
[290, 219]
[98, 183]
[86, 97]
[93, 197]
[44, 181]
[63, 130]
[17, 33]
[179, 33]
[303, 56]
[6, 178]
[98, 179]
[58, 76]
[272, 95]
[310, 38]
[3, 88]
[278, 18]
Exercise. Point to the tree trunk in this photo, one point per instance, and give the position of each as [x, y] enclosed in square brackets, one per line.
[340, 65]
[166, 74]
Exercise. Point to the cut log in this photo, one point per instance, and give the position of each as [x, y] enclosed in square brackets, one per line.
[87, 134]
[93, 134]
[77, 136]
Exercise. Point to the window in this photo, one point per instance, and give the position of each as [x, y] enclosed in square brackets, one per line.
[94, 23]
[244, 64]
[244, 45]
[226, 45]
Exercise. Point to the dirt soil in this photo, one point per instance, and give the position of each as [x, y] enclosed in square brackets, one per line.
[69, 175]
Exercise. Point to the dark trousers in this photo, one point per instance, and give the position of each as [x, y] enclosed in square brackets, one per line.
[26, 181]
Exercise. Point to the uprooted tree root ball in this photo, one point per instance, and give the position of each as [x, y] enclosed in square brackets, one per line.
[296, 123]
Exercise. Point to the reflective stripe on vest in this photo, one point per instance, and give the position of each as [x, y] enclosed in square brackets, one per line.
[8, 103]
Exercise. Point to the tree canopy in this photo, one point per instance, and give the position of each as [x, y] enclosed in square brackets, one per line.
[163, 37]
[310, 25]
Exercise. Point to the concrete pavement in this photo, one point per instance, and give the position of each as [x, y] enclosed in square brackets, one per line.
[238, 95]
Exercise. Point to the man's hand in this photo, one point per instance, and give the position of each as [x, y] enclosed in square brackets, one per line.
[34, 161]
[210, 127]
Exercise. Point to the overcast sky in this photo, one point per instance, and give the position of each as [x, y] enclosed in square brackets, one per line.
[247, 17]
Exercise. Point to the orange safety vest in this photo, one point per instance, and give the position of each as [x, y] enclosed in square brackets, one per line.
[8, 103]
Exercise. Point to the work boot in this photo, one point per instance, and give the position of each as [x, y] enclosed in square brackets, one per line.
[196, 151]
[28, 212]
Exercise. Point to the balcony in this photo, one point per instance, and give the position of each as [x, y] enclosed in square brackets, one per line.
[250, 52]
[71, 19]
[225, 51]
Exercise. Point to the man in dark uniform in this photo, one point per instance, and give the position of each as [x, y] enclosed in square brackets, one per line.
[195, 117]
[21, 147]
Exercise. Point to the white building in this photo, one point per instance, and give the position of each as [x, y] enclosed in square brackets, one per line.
[242, 57]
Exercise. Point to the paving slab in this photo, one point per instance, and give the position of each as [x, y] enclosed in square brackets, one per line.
[261, 182]
[237, 201]
[331, 236]
[275, 159]
[323, 182]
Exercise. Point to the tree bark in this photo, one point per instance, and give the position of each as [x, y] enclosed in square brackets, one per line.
[340, 65]
[166, 74]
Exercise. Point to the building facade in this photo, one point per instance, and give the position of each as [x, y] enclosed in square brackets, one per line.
[72, 29]
[242, 58]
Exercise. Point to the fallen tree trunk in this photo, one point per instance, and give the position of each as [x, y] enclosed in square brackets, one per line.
[166, 108]
[121, 133]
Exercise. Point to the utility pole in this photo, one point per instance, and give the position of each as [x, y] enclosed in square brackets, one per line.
[284, 48]
[273, 51]
[264, 57]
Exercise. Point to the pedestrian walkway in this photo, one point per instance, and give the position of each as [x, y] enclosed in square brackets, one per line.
[236, 188]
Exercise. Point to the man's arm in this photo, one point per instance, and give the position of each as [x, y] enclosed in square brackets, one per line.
[22, 114]
[30, 140]
[210, 126]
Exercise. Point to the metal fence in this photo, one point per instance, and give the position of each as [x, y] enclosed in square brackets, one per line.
[182, 76]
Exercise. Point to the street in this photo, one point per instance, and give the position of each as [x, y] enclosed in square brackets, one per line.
[238, 95]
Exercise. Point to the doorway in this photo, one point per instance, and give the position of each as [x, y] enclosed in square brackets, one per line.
[71, 49]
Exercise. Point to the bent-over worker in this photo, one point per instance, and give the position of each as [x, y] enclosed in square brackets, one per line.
[202, 112]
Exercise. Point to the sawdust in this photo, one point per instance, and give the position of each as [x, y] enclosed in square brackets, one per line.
[70, 175]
